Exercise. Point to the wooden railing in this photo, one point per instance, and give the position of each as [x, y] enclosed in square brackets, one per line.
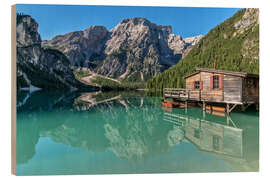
[176, 93]
[180, 93]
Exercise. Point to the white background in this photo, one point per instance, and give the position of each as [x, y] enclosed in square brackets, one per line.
[5, 86]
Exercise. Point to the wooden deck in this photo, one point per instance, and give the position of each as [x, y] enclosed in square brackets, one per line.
[195, 95]
[181, 94]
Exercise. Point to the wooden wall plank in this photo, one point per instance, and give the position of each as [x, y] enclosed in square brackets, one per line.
[232, 88]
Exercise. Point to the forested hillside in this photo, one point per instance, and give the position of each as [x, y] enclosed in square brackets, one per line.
[234, 43]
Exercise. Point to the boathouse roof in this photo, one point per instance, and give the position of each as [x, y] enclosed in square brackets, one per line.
[233, 73]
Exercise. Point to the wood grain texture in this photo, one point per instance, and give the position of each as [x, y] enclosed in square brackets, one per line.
[191, 79]
[232, 88]
[13, 89]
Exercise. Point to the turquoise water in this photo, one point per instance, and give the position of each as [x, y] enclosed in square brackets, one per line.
[108, 133]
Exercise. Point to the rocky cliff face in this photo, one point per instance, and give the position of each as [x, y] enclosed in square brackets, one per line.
[134, 50]
[38, 67]
[191, 41]
[138, 49]
[81, 46]
[250, 18]
[250, 45]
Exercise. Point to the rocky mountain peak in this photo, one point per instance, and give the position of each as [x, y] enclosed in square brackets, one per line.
[193, 40]
[27, 31]
[139, 26]
[140, 21]
[40, 67]
[81, 46]
[136, 21]
[135, 49]
[95, 31]
[250, 17]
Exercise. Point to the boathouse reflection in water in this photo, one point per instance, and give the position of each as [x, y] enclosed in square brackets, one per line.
[209, 136]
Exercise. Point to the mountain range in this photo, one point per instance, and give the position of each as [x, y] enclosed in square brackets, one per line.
[134, 50]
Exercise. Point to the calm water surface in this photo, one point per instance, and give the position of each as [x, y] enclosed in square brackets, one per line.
[105, 133]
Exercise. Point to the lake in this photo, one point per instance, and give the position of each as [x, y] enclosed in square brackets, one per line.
[129, 132]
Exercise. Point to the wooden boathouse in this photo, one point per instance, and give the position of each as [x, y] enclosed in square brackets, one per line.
[221, 87]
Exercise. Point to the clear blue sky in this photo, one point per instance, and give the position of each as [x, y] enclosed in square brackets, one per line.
[185, 21]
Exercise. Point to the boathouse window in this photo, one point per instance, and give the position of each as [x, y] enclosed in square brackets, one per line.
[215, 82]
[197, 85]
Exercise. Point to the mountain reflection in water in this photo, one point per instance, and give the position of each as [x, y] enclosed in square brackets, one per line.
[128, 132]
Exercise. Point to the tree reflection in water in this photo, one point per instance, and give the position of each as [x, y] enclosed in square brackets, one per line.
[133, 126]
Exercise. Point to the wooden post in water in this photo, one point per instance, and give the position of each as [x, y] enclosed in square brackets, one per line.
[257, 107]
[229, 109]
[203, 115]
[204, 106]
[243, 108]
[186, 106]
